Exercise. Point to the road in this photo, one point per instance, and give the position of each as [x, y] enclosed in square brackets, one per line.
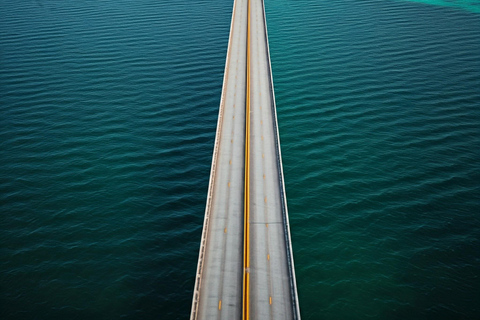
[246, 270]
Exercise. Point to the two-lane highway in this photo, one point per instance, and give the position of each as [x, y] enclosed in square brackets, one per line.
[245, 268]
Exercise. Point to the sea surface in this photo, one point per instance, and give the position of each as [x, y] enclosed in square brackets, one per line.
[108, 112]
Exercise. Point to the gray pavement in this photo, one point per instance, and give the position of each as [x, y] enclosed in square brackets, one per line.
[218, 289]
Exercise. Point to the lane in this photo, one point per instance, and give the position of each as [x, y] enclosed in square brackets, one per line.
[270, 278]
[218, 285]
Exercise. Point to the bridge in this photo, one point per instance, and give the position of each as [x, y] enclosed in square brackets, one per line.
[245, 267]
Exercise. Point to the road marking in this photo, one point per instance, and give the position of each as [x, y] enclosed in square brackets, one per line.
[270, 300]
[263, 176]
[268, 257]
[230, 162]
[220, 305]
[265, 199]
[225, 230]
[229, 184]
[246, 236]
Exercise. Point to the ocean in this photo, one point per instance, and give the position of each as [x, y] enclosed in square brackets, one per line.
[108, 112]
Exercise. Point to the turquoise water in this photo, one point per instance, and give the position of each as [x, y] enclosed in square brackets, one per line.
[107, 121]
[469, 5]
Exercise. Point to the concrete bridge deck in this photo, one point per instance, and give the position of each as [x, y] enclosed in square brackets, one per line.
[245, 268]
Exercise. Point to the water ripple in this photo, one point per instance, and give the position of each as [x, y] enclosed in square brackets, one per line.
[379, 133]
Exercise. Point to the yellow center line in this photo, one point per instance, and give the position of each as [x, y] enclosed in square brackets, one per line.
[246, 235]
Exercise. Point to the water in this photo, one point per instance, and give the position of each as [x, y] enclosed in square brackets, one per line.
[107, 121]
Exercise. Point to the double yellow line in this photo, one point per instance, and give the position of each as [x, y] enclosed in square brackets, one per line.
[246, 233]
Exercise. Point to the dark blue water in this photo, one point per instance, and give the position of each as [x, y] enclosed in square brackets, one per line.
[107, 120]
